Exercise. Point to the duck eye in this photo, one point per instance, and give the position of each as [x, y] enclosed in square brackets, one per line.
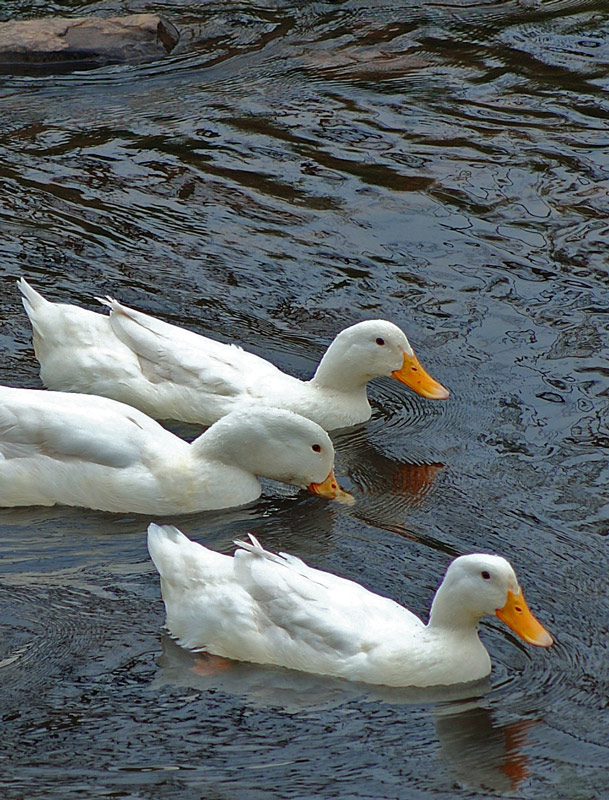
[486, 575]
[380, 340]
[316, 448]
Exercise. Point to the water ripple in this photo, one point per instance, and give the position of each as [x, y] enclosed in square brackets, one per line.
[289, 170]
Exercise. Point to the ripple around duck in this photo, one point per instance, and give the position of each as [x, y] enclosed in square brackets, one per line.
[40, 638]
[482, 747]
[224, 35]
[440, 163]
[406, 426]
[53, 623]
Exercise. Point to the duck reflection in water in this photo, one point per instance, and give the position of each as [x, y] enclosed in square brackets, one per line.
[385, 487]
[480, 752]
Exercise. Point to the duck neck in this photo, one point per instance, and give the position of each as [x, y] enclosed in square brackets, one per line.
[237, 449]
[336, 373]
[218, 444]
[449, 612]
[219, 478]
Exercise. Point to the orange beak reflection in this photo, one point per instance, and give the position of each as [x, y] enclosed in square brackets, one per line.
[413, 375]
[330, 488]
[516, 615]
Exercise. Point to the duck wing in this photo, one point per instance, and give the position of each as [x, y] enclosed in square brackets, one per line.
[35, 423]
[313, 617]
[178, 356]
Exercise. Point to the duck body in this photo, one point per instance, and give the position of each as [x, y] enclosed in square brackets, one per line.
[172, 373]
[94, 452]
[274, 609]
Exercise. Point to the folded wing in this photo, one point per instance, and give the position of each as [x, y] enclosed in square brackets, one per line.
[36, 423]
[311, 615]
[171, 354]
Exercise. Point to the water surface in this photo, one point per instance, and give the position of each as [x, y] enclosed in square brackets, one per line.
[292, 168]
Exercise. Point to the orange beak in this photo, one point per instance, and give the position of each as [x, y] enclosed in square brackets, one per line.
[330, 488]
[412, 374]
[516, 615]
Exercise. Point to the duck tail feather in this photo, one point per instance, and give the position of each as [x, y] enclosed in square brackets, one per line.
[30, 297]
[107, 301]
[33, 302]
[158, 535]
[254, 546]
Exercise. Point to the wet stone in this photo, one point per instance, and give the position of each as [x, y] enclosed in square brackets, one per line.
[62, 44]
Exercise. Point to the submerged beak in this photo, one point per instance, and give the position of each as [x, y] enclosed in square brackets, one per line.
[412, 374]
[516, 615]
[330, 488]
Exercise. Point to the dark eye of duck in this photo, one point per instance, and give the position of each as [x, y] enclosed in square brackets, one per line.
[486, 575]
[316, 447]
[380, 341]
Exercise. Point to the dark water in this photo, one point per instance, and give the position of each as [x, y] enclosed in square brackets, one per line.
[294, 167]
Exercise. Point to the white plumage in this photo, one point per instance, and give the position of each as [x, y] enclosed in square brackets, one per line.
[274, 609]
[94, 452]
[172, 373]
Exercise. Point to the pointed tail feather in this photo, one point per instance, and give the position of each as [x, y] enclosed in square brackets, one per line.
[30, 298]
[160, 538]
[108, 301]
[254, 546]
[32, 302]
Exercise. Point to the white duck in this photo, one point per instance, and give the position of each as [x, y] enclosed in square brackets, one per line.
[274, 609]
[172, 373]
[79, 450]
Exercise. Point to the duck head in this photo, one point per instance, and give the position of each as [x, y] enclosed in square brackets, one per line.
[480, 585]
[277, 444]
[372, 349]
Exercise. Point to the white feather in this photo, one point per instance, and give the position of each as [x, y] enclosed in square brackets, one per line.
[273, 609]
[169, 372]
[94, 452]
